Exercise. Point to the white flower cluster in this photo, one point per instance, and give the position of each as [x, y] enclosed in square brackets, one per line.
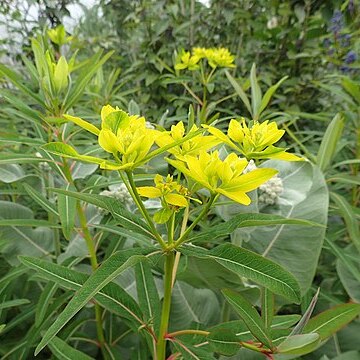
[268, 192]
[119, 192]
[43, 165]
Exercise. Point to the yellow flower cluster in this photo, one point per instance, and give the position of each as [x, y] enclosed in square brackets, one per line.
[216, 57]
[130, 142]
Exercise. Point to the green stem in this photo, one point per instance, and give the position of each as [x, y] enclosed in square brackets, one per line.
[204, 211]
[143, 210]
[190, 331]
[165, 314]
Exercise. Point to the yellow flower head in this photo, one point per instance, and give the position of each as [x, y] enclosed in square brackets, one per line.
[168, 190]
[125, 136]
[199, 52]
[220, 57]
[255, 142]
[187, 61]
[223, 176]
[190, 147]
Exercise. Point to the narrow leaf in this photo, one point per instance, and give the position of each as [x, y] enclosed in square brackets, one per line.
[246, 220]
[253, 266]
[148, 296]
[63, 351]
[330, 321]
[299, 344]
[267, 96]
[67, 212]
[238, 89]
[255, 93]
[223, 342]
[13, 303]
[330, 141]
[349, 216]
[40, 199]
[116, 208]
[109, 270]
[249, 315]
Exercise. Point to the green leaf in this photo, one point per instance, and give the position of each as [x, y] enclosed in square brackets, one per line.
[223, 342]
[126, 218]
[344, 179]
[349, 216]
[25, 222]
[238, 89]
[352, 88]
[267, 307]
[249, 315]
[147, 294]
[11, 158]
[13, 303]
[63, 351]
[41, 200]
[67, 212]
[255, 93]
[250, 265]
[298, 329]
[112, 297]
[330, 141]
[189, 305]
[299, 344]
[108, 271]
[330, 321]
[67, 151]
[267, 96]
[93, 64]
[43, 302]
[246, 220]
[10, 173]
[296, 248]
[16, 80]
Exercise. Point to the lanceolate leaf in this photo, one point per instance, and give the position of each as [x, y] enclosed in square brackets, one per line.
[125, 217]
[299, 344]
[109, 270]
[148, 296]
[223, 342]
[111, 297]
[67, 211]
[348, 214]
[332, 320]
[248, 264]
[249, 315]
[41, 200]
[329, 142]
[267, 96]
[246, 220]
[63, 351]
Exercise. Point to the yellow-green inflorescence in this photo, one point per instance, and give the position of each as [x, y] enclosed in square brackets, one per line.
[193, 153]
[216, 58]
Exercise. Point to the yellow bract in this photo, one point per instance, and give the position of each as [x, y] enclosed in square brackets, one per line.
[187, 61]
[223, 176]
[220, 57]
[123, 135]
[192, 146]
[216, 57]
[255, 142]
[168, 190]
